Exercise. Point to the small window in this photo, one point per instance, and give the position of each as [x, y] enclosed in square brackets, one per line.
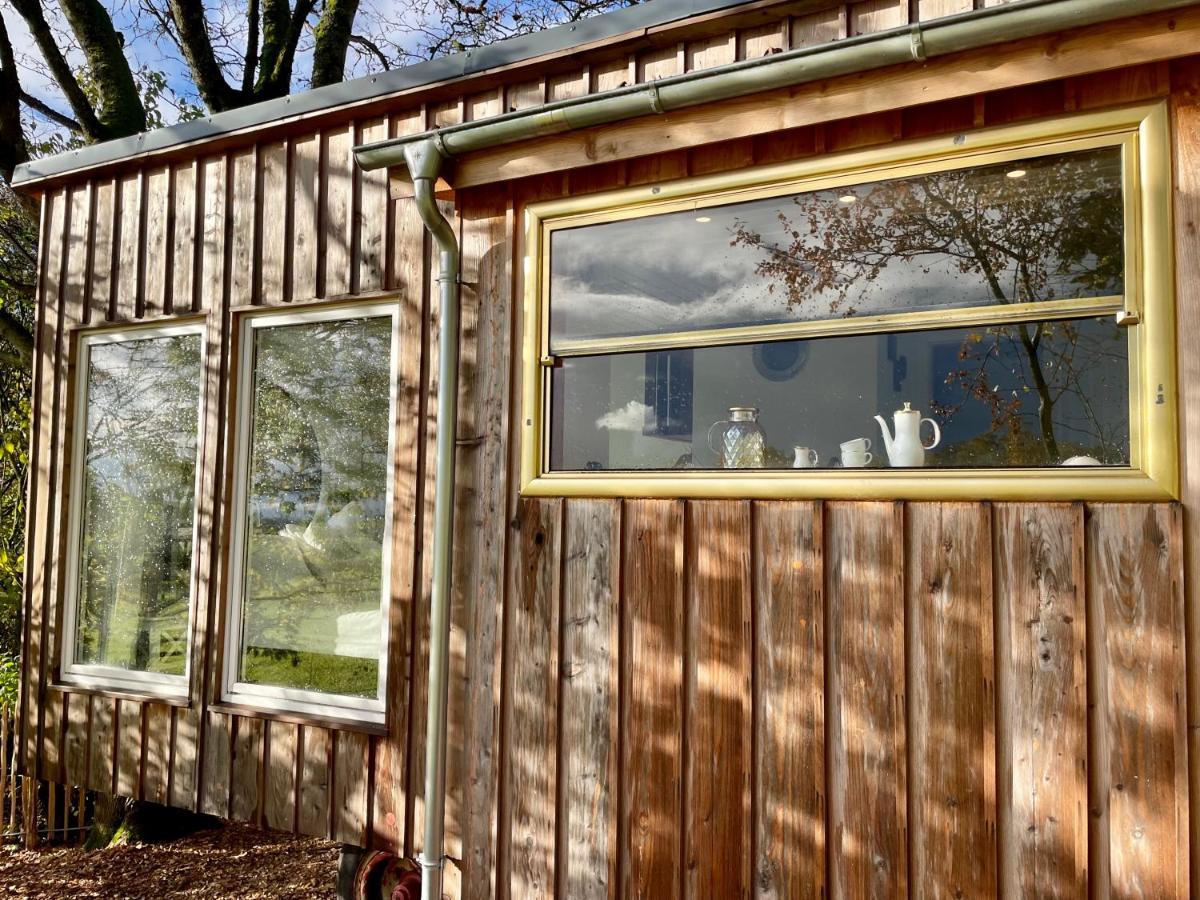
[132, 523]
[312, 519]
[982, 317]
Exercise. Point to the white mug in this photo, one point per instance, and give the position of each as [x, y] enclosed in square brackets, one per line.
[806, 458]
[856, 454]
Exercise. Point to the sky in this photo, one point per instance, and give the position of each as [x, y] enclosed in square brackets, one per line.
[145, 49]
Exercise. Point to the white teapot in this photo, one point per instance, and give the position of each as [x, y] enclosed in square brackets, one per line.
[905, 449]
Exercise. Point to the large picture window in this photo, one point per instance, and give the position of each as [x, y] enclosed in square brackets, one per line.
[132, 522]
[312, 512]
[988, 315]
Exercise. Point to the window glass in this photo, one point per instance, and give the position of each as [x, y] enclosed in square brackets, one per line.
[137, 483]
[316, 517]
[1035, 394]
[1041, 229]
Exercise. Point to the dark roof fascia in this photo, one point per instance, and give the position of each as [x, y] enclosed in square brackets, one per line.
[373, 87]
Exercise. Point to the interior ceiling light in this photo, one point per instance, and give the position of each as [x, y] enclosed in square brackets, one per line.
[703, 218]
[1016, 173]
[848, 198]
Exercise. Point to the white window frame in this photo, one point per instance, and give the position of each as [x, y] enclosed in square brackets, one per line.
[270, 698]
[102, 677]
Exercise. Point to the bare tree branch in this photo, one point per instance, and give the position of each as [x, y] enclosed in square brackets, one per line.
[50, 112]
[13, 148]
[250, 62]
[372, 49]
[332, 33]
[188, 16]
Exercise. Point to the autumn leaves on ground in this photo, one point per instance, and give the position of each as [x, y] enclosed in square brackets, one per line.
[233, 861]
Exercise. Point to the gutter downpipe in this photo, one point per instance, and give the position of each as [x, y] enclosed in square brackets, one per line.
[424, 162]
[425, 154]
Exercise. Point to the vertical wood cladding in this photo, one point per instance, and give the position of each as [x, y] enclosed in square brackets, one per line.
[649, 698]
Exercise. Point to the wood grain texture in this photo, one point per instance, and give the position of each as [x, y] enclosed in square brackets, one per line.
[185, 754]
[101, 768]
[283, 740]
[336, 211]
[126, 299]
[1185, 122]
[156, 763]
[75, 768]
[351, 787]
[246, 765]
[951, 700]
[865, 697]
[1138, 762]
[1041, 687]
[101, 290]
[313, 793]
[216, 766]
[717, 754]
[130, 735]
[789, 701]
[273, 222]
[587, 802]
[183, 237]
[532, 755]
[305, 217]
[651, 837]
[242, 227]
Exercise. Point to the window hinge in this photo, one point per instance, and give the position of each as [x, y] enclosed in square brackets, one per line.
[1127, 318]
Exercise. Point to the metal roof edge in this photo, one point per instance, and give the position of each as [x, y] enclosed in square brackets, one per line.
[373, 87]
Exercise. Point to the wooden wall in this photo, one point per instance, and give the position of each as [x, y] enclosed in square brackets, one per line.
[648, 698]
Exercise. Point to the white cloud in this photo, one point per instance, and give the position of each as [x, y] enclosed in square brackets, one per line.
[630, 417]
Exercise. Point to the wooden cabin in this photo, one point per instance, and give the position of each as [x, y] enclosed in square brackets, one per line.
[713, 630]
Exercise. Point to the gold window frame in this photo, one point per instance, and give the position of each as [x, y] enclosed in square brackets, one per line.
[1143, 134]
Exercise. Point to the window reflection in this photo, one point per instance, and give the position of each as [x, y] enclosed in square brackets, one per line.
[138, 484]
[317, 515]
[1046, 228]
[1034, 394]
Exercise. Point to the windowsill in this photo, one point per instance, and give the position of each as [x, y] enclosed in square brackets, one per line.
[297, 717]
[1114, 484]
[140, 695]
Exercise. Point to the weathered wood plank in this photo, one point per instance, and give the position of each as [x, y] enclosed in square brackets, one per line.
[101, 771]
[54, 711]
[1138, 765]
[935, 9]
[126, 300]
[1185, 122]
[157, 259]
[371, 216]
[1041, 693]
[869, 16]
[241, 232]
[951, 700]
[789, 716]
[305, 175]
[312, 817]
[337, 219]
[717, 763]
[590, 690]
[820, 27]
[77, 737]
[211, 275]
[273, 222]
[216, 767]
[351, 785]
[652, 614]
[280, 809]
[864, 645]
[246, 801]
[129, 749]
[533, 641]
[185, 758]
[185, 209]
[157, 766]
[103, 211]
[481, 517]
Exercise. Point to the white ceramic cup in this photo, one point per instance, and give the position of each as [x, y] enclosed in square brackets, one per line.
[806, 458]
[857, 453]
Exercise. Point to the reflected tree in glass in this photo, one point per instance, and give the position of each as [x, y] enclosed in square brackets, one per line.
[319, 470]
[1029, 231]
[138, 482]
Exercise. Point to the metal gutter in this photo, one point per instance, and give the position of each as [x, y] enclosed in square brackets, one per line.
[425, 155]
[910, 43]
[425, 163]
[623, 22]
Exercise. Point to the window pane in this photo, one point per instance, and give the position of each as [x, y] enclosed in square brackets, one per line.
[319, 468]
[1041, 229]
[1002, 395]
[139, 475]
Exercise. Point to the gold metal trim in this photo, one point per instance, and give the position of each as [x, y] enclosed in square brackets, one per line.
[890, 322]
[1143, 134]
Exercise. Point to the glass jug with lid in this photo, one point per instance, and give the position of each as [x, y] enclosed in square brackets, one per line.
[742, 443]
